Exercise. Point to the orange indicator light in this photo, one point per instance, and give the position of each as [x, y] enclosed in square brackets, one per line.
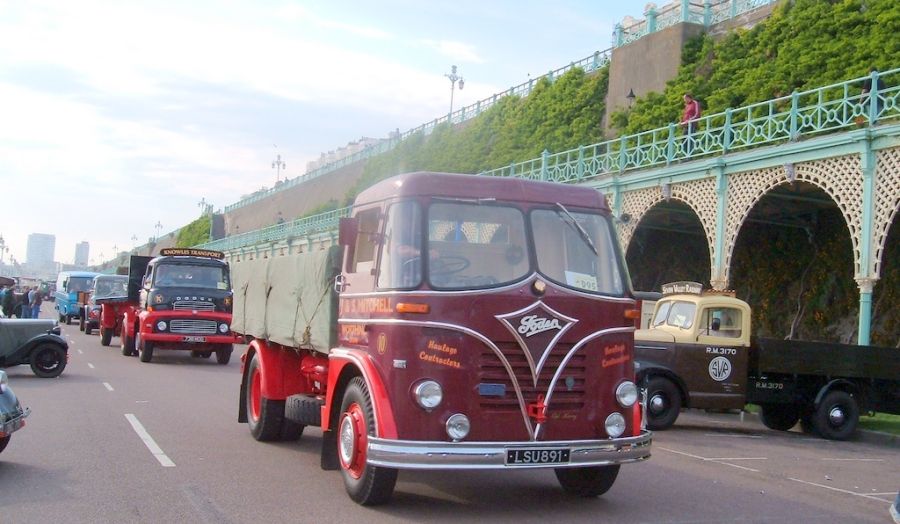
[408, 307]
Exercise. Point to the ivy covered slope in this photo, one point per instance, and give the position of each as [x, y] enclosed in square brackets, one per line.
[803, 45]
[197, 232]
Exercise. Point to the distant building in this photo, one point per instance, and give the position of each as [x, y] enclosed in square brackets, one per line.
[82, 251]
[341, 153]
[41, 250]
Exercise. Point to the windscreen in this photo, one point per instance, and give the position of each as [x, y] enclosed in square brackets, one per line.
[79, 284]
[676, 314]
[110, 287]
[577, 250]
[184, 275]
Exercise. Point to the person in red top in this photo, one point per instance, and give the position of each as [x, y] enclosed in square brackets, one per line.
[691, 114]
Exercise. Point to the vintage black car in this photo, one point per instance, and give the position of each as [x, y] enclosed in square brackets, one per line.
[12, 416]
[36, 342]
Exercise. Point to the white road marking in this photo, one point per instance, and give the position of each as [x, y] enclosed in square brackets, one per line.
[80, 352]
[716, 460]
[157, 452]
[107, 386]
[738, 458]
[735, 435]
[91, 365]
[141, 401]
[854, 460]
[848, 492]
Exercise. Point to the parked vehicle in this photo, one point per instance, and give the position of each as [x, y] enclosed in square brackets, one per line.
[103, 287]
[183, 301]
[71, 290]
[36, 342]
[699, 353]
[461, 323]
[12, 415]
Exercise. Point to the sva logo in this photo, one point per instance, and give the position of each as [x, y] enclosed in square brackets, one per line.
[533, 324]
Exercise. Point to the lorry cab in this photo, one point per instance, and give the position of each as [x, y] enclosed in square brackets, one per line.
[695, 352]
[71, 288]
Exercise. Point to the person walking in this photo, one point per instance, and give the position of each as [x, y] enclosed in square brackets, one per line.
[689, 118]
[36, 300]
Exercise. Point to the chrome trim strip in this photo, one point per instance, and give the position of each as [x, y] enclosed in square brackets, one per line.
[410, 454]
[642, 346]
[441, 325]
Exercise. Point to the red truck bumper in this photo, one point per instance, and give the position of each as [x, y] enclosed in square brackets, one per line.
[186, 329]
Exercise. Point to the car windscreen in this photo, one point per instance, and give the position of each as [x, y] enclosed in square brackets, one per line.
[110, 287]
[186, 275]
[676, 314]
[79, 284]
[577, 250]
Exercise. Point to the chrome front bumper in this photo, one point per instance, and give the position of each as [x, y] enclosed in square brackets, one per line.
[411, 454]
[14, 424]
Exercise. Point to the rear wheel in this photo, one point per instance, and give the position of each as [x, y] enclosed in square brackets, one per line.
[48, 360]
[145, 348]
[837, 416]
[780, 417]
[366, 484]
[663, 403]
[105, 336]
[587, 482]
[223, 355]
[126, 343]
[266, 416]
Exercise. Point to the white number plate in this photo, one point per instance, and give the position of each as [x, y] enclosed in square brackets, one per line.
[193, 339]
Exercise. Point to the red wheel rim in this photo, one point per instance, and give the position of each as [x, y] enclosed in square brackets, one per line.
[255, 394]
[352, 441]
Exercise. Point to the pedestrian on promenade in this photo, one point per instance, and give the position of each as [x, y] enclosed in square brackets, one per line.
[689, 117]
[36, 300]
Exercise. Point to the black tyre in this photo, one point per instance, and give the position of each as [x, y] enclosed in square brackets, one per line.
[780, 417]
[87, 328]
[126, 343]
[836, 416]
[266, 416]
[48, 360]
[195, 354]
[366, 484]
[144, 347]
[81, 322]
[806, 424]
[105, 336]
[587, 482]
[205, 354]
[223, 355]
[663, 403]
[4, 441]
[68, 320]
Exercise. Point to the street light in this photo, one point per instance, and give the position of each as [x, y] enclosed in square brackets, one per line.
[453, 79]
[278, 165]
[158, 227]
[630, 97]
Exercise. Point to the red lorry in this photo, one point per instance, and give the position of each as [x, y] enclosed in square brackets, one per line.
[182, 300]
[460, 323]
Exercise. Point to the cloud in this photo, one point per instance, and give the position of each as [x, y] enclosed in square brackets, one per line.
[458, 51]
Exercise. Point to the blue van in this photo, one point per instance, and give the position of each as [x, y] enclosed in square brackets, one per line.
[69, 298]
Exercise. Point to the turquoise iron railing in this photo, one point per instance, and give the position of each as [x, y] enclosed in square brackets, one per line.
[785, 119]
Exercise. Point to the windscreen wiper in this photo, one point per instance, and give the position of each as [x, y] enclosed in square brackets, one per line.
[581, 231]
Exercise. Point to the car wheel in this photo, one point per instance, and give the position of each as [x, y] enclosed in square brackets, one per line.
[223, 355]
[366, 484]
[105, 336]
[145, 348]
[663, 403]
[587, 482]
[780, 417]
[48, 360]
[837, 416]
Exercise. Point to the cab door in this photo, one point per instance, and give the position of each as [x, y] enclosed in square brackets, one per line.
[721, 358]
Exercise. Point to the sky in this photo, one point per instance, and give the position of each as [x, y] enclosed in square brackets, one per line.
[118, 118]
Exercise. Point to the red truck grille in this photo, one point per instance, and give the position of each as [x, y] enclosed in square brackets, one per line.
[567, 395]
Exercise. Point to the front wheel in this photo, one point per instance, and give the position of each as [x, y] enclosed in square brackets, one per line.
[48, 360]
[587, 482]
[780, 417]
[663, 403]
[105, 336]
[145, 348]
[366, 484]
[837, 416]
[223, 355]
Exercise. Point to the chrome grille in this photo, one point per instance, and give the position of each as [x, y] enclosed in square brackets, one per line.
[193, 305]
[563, 398]
[193, 326]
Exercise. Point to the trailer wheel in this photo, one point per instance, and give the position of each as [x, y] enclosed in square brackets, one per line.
[366, 484]
[223, 355]
[587, 482]
[837, 416]
[105, 336]
[48, 360]
[780, 417]
[145, 348]
[266, 416]
[663, 403]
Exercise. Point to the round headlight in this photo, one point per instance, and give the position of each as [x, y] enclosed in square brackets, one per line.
[223, 328]
[161, 325]
[626, 394]
[428, 394]
[458, 426]
[615, 425]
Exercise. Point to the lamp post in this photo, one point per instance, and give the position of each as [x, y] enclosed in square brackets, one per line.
[278, 165]
[630, 97]
[158, 227]
[454, 78]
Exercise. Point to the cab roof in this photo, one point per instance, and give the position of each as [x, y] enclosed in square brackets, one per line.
[454, 185]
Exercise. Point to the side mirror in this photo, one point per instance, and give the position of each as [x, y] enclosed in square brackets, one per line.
[145, 283]
[348, 229]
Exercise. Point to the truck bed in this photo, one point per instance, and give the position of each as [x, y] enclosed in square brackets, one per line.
[795, 357]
